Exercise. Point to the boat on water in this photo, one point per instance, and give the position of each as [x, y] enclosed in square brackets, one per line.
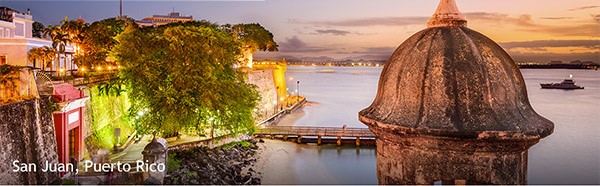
[568, 84]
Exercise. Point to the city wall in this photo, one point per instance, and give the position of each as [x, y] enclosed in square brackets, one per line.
[264, 80]
[29, 137]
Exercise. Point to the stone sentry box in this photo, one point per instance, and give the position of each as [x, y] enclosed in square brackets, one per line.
[452, 106]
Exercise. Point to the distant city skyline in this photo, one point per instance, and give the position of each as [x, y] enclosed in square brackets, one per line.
[529, 30]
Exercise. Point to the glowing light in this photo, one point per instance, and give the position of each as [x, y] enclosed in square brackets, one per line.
[82, 69]
[570, 76]
[61, 70]
[109, 67]
[99, 68]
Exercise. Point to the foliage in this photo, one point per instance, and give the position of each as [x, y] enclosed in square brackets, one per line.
[112, 87]
[37, 29]
[109, 112]
[59, 38]
[45, 54]
[98, 40]
[173, 162]
[237, 143]
[7, 69]
[181, 77]
[254, 37]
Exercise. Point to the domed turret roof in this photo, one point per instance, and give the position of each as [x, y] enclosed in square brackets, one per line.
[80, 20]
[449, 80]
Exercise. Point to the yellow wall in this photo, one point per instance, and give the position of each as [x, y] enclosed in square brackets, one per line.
[279, 68]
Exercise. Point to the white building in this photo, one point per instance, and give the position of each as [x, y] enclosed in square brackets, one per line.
[16, 40]
[158, 20]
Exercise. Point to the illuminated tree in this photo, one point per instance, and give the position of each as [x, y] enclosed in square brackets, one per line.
[45, 54]
[181, 77]
[59, 39]
[99, 40]
[253, 37]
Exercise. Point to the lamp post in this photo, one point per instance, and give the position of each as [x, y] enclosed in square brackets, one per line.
[298, 91]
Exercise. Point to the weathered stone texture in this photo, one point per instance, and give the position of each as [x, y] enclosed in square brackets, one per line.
[453, 81]
[28, 136]
[452, 107]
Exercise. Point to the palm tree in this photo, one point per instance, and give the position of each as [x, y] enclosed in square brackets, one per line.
[76, 34]
[45, 54]
[60, 40]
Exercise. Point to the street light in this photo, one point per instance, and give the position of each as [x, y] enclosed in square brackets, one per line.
[298, 90]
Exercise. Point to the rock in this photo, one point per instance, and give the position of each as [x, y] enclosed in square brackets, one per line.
[215, 166]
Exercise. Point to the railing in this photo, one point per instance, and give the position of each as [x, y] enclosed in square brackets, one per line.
[44, 84]
[315, 131]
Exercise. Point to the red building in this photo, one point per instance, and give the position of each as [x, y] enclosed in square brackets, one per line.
[69, 122]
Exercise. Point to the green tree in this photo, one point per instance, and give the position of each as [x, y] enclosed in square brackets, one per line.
[253, 37]
[37, 29]
[98, 40]
[181, 77]
[45, 54]
[60, 39]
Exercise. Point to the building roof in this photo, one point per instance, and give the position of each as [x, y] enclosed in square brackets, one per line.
[451, 81]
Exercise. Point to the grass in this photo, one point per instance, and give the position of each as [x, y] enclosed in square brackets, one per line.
[238, 143]
[173, 163]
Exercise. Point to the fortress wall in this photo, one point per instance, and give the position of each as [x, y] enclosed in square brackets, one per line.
[27, 136]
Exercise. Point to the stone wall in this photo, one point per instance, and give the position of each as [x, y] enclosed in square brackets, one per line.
[28, 136]
[17, 86]
[266, 87]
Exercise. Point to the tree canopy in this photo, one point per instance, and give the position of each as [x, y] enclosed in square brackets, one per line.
[254, 37]
[37, 29]
[45, 54]
[98, 40]
[181, 77]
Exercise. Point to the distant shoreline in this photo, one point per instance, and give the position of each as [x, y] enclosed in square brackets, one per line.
[521, 66]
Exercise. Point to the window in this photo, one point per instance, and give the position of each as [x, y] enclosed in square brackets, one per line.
[20, 29]
[2, 59]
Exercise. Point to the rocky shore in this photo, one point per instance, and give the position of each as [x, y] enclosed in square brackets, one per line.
[230, 164]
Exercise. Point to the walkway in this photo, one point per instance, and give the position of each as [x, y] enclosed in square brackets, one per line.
[324, 135]
[315, 131]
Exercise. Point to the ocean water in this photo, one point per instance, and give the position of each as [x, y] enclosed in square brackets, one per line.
[571, 155]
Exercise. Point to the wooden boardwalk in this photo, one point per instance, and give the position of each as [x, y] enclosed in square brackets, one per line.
[319, 135]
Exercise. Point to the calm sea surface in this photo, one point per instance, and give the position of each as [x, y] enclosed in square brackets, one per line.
[571, 155]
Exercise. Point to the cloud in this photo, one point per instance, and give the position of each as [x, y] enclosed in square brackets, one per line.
[591, 44]
[294, 44]
[588, 30]
[521, 20]
[372, 21]
[596, 18]
[556, 18]
[376, 50]
[582, 8]
[333, 32]
[524, 21]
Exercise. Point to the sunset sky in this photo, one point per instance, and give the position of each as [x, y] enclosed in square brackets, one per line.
[530, 30]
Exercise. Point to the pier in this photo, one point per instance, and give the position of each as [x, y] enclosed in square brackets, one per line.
[319, 135]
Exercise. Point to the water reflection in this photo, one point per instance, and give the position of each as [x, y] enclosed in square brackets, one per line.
[571, 155]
